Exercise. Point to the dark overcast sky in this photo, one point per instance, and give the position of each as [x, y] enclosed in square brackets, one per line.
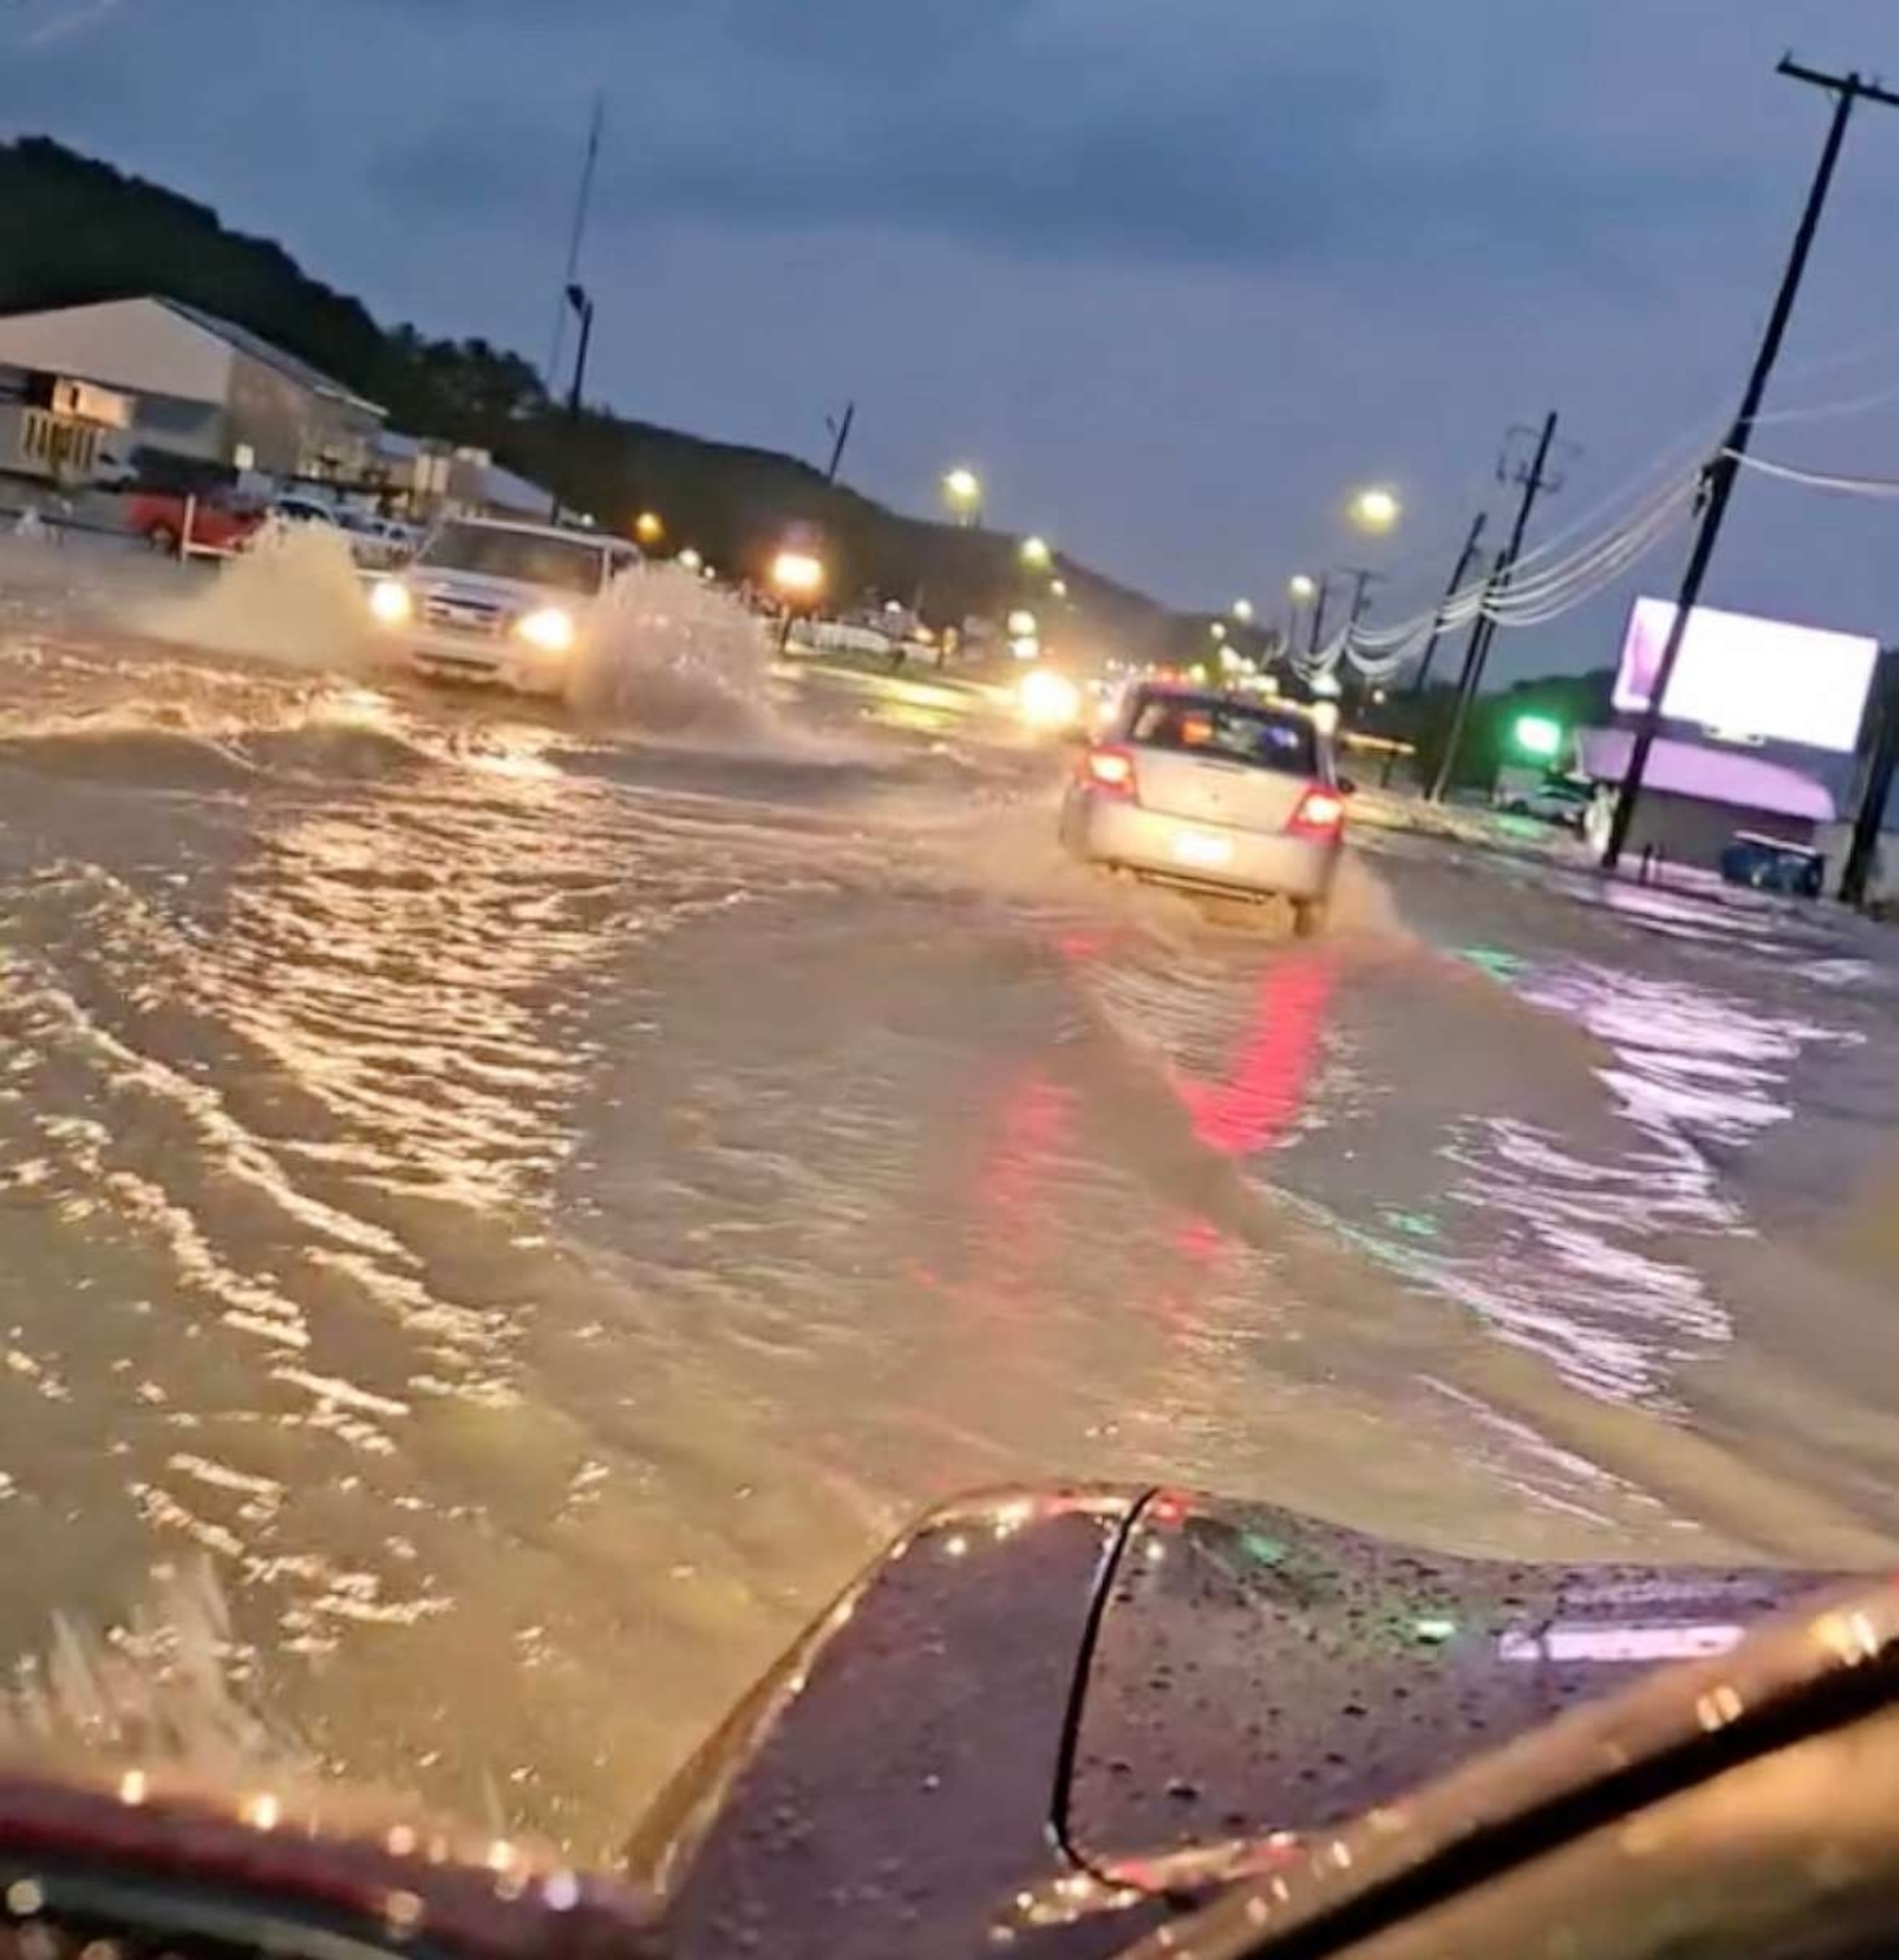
[1173, 273]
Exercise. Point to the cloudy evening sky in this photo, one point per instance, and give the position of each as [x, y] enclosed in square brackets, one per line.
[1174, 274]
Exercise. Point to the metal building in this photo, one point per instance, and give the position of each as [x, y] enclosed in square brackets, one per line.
[204, 388]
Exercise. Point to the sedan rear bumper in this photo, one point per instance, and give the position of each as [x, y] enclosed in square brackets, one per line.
[1171, 850]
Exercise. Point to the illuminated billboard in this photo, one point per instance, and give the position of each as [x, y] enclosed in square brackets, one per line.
[1750, 680]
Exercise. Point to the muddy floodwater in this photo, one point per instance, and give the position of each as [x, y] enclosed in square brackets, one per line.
[514, 1204]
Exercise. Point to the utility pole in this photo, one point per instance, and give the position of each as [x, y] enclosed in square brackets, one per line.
[582, 304]
[1319, 615]
[840, 429]
[577, 237]
[1880, 770]
[1718, 482]
[1535, 481]
[1363, 581]
[1466, 559]
[581, 301]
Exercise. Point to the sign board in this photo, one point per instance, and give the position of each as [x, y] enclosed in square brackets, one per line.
[1748, 679]
[85, 401]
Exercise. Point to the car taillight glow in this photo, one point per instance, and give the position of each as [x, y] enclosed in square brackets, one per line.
[1320, 814]
[1109, 770]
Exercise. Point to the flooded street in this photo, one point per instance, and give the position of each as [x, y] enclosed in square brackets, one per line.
[528, 1203]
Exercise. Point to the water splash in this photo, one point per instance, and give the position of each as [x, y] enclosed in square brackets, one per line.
[674, 656]
[295, 596]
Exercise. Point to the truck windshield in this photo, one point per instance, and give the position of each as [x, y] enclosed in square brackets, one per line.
[529, 558]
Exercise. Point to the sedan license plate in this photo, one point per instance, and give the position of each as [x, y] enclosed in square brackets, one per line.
[1202, 849]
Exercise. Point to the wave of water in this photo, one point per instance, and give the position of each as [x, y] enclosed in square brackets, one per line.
[532, 1205]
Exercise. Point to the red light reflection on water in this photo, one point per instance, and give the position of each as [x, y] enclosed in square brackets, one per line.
[1258, 1101]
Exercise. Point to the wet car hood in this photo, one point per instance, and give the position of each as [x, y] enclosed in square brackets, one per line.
[1254, 1672]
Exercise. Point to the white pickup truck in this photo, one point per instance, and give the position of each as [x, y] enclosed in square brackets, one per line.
[513, 604]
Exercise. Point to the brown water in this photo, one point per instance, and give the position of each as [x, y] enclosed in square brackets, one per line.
[527, 1205]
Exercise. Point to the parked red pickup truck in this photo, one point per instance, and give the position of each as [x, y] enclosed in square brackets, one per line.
[160, 518]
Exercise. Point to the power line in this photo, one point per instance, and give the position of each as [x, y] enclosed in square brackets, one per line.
[1819, 479]
[1535, 481]
[1725, 470]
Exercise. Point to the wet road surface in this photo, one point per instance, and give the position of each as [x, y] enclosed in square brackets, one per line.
[525, 1200]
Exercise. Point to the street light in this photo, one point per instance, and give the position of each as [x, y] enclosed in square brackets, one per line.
[1302, 588]
[1218, 629]
[690, 560]
[1243, 611]
[798, 574]
[962, 492]
[1376, 509]
[1036, 554]
[579, 299]
[1058, 587]
[649, 528]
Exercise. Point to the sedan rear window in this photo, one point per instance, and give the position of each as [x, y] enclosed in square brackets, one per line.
[1229, 731]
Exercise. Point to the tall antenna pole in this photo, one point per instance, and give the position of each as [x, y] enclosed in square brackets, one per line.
[577, 239]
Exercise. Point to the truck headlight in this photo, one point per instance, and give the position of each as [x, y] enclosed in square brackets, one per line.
[1046, 699]
[550, 629]
[390, 602]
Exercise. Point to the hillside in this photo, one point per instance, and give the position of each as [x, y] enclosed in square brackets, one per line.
[74, 229]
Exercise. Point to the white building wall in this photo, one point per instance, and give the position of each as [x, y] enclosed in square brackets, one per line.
[135, 345]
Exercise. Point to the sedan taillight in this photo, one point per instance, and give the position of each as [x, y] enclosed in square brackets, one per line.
[1321, 815]
[1108, 769]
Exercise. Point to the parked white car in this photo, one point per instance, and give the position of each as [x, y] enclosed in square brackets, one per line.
[1558, 800]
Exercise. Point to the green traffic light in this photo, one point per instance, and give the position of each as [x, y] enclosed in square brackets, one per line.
[1539, 736]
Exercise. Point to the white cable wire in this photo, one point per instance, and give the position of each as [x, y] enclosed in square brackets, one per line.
[1823, 411]
[1533, 572]
[1560, 588]
[1874, 487]
[1602, 567]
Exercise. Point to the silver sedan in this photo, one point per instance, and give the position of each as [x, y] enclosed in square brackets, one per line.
[1213, 792]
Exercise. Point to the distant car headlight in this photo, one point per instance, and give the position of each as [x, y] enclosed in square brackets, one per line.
[1046, 699]
[390, 602]
[550, 629]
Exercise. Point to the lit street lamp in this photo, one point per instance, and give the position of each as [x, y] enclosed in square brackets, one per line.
[1302, 588]
[1376, 509]
[690, 560]
[799, 577]
[1036, 554]
[649, 529]
[1059, 588]
[962, 492]
[1243, 611]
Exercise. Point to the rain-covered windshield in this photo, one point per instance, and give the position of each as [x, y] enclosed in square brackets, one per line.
[552, 1096]
[529, 558]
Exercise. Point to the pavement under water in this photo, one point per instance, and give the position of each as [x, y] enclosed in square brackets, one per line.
[526, 1199]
